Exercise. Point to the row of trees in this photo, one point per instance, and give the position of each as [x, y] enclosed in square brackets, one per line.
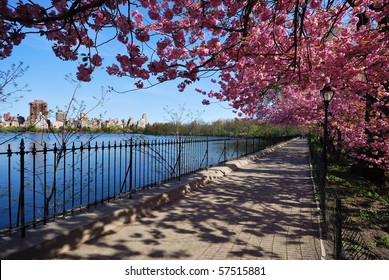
[233, 128]
[269, 59]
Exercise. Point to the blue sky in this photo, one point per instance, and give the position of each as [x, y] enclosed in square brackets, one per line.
[46, 81]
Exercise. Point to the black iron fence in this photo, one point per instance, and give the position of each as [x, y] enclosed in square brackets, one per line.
[347, 242]
[38, 185]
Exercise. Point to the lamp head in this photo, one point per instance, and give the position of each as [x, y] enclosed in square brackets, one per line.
[327, 93]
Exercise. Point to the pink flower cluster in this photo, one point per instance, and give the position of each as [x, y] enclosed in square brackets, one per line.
[271, 60]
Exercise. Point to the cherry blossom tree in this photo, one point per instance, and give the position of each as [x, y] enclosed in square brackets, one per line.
[268, 58]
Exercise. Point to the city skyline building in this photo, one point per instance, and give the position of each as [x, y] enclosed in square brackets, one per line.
[7, 116]
[38, 108]
[60, 116]
[39, 118]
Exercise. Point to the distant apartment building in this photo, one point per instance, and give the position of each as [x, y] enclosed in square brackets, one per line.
[60, 116]
[7, 116]
[8, 120]
[143, 121]
[38, 108]
[84, 120]
[60, 119]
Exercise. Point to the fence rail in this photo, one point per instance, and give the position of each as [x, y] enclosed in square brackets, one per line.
[42, 184]
[347, 241]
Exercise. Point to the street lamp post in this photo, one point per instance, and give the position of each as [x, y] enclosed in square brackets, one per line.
[326, 95]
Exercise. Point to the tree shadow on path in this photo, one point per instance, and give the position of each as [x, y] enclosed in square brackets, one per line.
[264, 210]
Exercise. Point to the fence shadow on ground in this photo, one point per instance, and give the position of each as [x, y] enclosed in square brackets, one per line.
[343, 236]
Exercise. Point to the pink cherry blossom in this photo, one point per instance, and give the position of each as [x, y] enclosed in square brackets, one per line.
[84, 73]
[270, 58]
[96, 60]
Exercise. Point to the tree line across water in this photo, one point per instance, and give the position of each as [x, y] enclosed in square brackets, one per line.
[231, 127]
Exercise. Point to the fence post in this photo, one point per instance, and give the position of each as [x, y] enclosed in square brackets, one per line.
[207, 153]
[89, 177]
[114, 169]
[73, 175]
[338, 229]
[64, 178]
[179, 159]
[45, 202]
[131, 163]
[109, 172]
[102, 172]
[34, 185]
[54, 188]
[81, 162]
[9, 155]
[95, 170]
[21, 194]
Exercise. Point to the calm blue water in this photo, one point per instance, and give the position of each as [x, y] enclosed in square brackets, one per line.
[39, 139]
[88, 176]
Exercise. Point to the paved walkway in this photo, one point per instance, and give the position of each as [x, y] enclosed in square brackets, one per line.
[263, 210]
